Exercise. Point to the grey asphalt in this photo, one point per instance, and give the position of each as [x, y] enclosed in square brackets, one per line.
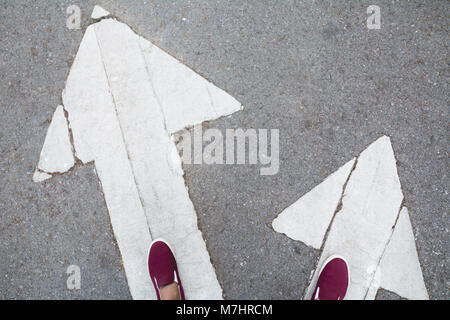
[311, 69]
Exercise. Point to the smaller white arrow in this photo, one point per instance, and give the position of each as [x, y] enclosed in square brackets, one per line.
[356, 212]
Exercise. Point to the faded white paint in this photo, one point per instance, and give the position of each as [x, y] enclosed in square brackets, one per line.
[184, 96]
[98, 137]
[40, 176]
[362, 230]
[400, 270]
[308, 218]
[56, 154]
[98, 12]
[121, 114]
[169, 211]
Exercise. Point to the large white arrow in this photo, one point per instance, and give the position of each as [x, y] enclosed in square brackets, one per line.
[357, 212]
[124, 97]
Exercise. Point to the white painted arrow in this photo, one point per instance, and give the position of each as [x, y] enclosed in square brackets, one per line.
[124, 98]
[360, 205]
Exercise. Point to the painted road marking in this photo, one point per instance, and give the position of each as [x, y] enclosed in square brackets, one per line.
[124, 97]
[58, 148]
[407, 280]
[367, 225]
[98, 12]
[311, 225]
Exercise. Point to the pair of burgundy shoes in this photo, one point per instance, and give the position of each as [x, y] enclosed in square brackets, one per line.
[331, 285]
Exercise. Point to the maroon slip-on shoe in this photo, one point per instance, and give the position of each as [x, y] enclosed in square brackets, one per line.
[162, 267]
[333, 280]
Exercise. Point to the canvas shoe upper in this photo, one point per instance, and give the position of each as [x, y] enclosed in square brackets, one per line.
[162, 267]
[333, 280]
